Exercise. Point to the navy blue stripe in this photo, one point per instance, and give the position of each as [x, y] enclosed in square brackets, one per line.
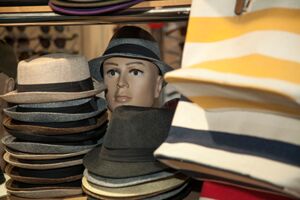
[271, 149]
[132, 49]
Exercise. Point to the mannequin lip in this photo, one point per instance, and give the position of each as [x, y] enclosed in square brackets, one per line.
[122, 99]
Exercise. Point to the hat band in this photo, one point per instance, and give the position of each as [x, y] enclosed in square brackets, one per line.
[76, 86]
[83, 108]
[131, 49]
[127, 155]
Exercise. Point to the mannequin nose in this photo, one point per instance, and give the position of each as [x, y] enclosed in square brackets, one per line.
[122, 82]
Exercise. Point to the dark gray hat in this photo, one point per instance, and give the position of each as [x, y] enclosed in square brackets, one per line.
[131, 138]
[43, 148]
[40, 113]
[131, 42]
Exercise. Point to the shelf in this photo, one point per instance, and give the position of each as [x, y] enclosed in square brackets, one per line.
[147, 11]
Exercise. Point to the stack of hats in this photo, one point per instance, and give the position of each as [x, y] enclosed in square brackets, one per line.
[90, 7]
[241, 122]
[57, 120]
[124, 166]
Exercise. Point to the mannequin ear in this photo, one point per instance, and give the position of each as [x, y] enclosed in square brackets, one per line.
[158, 87]
[10, 85]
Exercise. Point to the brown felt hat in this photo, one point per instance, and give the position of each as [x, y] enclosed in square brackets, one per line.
[44, 130]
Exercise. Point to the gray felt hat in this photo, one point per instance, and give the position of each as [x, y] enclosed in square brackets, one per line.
[17, 112]
[131, 42]
[123, 182]
[43, 148]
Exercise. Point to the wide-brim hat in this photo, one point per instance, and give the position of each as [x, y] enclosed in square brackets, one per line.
[177, 193]
[9, 123]
[48, 176]
[149, 188]
[127, 151]
[124, 182]
[53, 116]
[34, 191]
[53, 77]
[40, 156]
[43, 164]
[56, 139]
[86, 4]
[44, 148]
[131, 42]
[93, 11]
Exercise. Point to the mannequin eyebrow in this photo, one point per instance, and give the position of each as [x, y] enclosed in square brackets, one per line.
[131, 63]
[111, 63]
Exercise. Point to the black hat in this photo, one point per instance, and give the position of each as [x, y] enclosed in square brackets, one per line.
[131, 138]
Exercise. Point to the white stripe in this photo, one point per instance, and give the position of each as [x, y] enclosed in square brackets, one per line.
[258, 42]
[223, 8]
[193, 89]
[238, 122]
[281, 174]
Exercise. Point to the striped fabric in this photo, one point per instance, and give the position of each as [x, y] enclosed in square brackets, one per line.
[259, 149]
[251, 60]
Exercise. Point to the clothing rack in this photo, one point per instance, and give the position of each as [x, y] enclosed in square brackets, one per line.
[147, 11]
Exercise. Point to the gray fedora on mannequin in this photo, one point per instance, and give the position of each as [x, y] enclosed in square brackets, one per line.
[51, 78]
[131, 42]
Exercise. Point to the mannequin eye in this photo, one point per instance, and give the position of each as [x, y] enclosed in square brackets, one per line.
[112, 73]
[136, 72]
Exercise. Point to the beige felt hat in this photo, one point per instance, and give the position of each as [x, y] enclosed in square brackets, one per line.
[53, 77]
[136, 190]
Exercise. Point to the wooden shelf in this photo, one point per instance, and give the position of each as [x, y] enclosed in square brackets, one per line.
[147, 11]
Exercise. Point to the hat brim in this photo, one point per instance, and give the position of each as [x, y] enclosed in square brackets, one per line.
[43, 148]
[43, 130]
[53, 117]
[93, 162]
[86, 4]
[150, 188]
[16, 162]
[60, 177]
[38, 156]
[96, 63]
[124, 182]
[46, 97]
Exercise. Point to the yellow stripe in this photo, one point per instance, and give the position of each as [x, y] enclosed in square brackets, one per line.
[257, 66]
[214, 102]
[202, 29]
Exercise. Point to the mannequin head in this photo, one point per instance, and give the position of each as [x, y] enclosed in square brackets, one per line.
[131, 68]
[131, 81]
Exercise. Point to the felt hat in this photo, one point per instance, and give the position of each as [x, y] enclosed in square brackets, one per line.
[8, 60]
[124, 182]
[45, 156]
[131, 42]
[56, 139]
[53, 77]
[35, 191]
[146, 189]
[177, 193]
[93, 11]
[18, 112]
[44, 148]
[86, 4]
[43, 164]
[131, 138]
[38, 129]
[48, 176]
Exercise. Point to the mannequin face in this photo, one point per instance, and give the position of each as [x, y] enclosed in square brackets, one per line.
[131, 81]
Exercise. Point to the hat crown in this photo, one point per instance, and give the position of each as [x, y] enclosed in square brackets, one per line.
[134, 127]
[53, 68]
